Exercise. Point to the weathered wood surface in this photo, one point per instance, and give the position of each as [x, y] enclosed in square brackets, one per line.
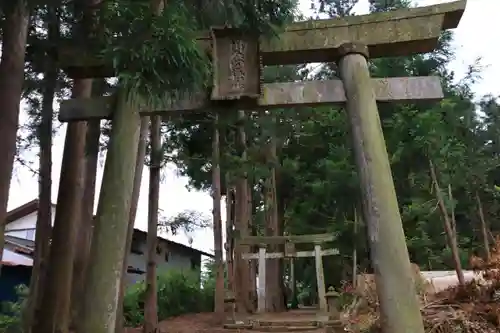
[320, 277]
[261, 294]
[389, 254]
[274, 95]
[277, 240]
[108, 240]
[299, 254]
[395, 33]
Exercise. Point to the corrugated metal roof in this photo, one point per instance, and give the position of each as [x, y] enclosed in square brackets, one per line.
[10, 263]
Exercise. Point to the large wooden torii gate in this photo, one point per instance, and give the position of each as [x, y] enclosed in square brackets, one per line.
[350, 42]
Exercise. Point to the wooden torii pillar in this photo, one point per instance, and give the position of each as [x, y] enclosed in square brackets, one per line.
[349, 41]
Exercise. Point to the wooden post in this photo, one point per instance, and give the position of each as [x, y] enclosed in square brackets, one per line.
[320, 279]
[293, 284]
[261, 306]
[217, 222]
[110, 231]
[229, 235]
[399, 307]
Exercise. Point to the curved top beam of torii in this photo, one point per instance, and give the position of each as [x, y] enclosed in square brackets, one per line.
[396, 33]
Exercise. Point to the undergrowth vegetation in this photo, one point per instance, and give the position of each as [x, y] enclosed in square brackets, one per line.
[179, 293]
[11, 312]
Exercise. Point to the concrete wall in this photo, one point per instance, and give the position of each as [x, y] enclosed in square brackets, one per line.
[441, 280]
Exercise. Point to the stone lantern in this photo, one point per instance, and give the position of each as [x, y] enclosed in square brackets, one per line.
[332, 300]
[230, 307]
[334, 324]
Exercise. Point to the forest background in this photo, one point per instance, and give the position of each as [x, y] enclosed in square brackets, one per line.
[459, 135]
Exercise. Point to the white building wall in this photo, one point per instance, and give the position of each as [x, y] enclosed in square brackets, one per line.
[25, 226]
[441, 280]
[177, 260]
[15, 258]
[25, 222]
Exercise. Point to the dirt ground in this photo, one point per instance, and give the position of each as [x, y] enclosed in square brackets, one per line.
[207, 323]
[190, 323]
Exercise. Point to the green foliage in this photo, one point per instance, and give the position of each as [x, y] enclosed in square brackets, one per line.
[318, 187]
[153, 55]
[187, 221]
[11, 312]
[316, 175]
[158, 56]
[178, 293]
[263, 17]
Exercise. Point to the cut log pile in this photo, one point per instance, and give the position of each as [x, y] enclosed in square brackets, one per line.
[473, 308]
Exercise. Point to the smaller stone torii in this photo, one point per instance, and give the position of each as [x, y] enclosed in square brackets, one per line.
[289, 252]
[350, 42]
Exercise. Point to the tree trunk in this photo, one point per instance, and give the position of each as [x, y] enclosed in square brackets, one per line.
[54, 316]
[44, 213]
[110, 232]
[241, 223]
[452, 239]
[484, 228]
[216, 195]
[15, 31]
[84, 234]
[452, 216]
[150, 303]
[139, 167]
[229, 246]
[252, 264]
[274, 283]
[355, 250]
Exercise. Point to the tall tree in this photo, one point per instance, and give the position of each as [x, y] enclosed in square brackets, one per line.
[217, 222]
[451, 235]
[229, 244]
[150, 303]
[156, 158]
[56, 313]
[44, 212]
[274, 277]
[15, 32]
[185, 71]
[242, 269]
[484, 229]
